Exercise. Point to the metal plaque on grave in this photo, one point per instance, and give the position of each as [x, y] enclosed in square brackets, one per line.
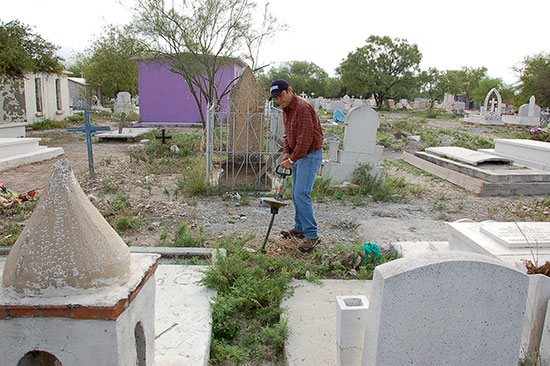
[519, 235]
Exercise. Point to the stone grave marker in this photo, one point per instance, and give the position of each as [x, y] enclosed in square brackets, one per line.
[124, 103]
[529, 114]
[359, 146]
[445, 309]
[247, 99]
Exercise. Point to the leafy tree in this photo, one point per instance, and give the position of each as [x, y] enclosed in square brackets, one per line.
[107, 63]
[305, 77]
[534, 73]
[486, 84]
[379, 67]
[22, 51]
[434, 84]
[200, 37]
[465, 81]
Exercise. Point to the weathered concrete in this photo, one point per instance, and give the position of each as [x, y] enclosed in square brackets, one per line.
[182, 316]
[311, 315]
[66, 243]
[84, 327]
[15, 152]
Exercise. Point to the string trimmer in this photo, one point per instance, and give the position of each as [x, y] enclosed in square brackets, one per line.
[275, 203]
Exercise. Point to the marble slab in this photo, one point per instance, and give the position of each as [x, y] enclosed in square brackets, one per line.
[519, 235]
[467, 156]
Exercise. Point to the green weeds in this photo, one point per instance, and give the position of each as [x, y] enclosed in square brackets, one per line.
[247, 324]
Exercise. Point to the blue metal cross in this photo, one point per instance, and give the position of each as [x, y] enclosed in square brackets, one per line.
[88, 128]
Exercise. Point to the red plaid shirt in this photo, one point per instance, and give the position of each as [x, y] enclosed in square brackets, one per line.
[302, 128]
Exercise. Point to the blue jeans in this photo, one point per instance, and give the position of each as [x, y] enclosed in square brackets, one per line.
[304, 172]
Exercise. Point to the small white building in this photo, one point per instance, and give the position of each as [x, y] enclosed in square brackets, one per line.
[34, 98]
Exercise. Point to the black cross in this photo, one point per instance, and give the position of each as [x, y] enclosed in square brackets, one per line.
[164, 137]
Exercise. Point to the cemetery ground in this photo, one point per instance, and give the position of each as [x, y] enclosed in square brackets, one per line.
[156, 196]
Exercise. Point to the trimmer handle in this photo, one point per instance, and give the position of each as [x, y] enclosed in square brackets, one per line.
[283, 172]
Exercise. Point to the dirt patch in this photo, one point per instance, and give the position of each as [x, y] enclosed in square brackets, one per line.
[422, 217]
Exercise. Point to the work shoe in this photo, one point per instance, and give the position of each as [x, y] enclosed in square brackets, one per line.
[309, 244]
[292, 234]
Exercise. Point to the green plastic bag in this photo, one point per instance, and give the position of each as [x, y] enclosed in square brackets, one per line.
[372, 248]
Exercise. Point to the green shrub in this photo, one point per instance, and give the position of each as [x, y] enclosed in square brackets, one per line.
[186, 237]
[246, 317]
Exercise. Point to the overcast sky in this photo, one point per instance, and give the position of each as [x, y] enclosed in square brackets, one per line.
[449, 34]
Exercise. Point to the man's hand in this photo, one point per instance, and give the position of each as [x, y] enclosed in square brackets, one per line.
[286, 164]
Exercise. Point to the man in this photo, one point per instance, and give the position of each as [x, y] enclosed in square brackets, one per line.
[303, 146]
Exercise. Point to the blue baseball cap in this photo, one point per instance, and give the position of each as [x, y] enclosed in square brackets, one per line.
[277, 87]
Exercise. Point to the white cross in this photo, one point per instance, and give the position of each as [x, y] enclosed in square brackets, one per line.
[492, 103]
[303, 95]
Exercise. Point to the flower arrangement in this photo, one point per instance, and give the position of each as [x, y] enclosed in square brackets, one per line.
[9, 198]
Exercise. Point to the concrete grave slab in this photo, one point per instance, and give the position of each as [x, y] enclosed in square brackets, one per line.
[445, 309]
[531, 153]
[470, 236]
[486, 179]
[311, 315]
[127, 134]
[519, 235]
[8, 130]
[467, 156]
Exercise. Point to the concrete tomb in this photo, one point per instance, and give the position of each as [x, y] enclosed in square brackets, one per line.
[531, 153]
[512, 243]
[445, 309]
[485, 173]
[71, 291]
[529, 114]
[359, 146]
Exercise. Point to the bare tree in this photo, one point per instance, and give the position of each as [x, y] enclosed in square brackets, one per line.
[197, 38]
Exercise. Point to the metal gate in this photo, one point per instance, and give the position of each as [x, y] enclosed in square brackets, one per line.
[244, 144]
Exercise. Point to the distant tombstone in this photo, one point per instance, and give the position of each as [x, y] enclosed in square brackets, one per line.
[124, 103]
[247, 99]
[529, 114]
[338, 104]
[491, 112]
[346, 99]
[458, 108]
[359, 146]
[391, 103]
[445, 309]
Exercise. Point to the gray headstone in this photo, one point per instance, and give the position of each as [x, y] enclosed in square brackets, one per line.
[445, 309]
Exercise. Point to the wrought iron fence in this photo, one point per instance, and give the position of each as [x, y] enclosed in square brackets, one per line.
[244, 144]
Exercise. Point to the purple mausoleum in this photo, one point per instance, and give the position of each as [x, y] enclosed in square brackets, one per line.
[165, 98]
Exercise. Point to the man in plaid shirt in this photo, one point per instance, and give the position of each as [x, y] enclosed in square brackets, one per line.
[303, 146]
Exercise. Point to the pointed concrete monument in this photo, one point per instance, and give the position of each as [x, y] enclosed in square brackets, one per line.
[66, 242]
[72, 294]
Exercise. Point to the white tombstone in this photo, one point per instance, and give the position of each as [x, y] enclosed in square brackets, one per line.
[124, 103]
[445, 309]
[359, 146]
[529, 114]
[491, 111]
